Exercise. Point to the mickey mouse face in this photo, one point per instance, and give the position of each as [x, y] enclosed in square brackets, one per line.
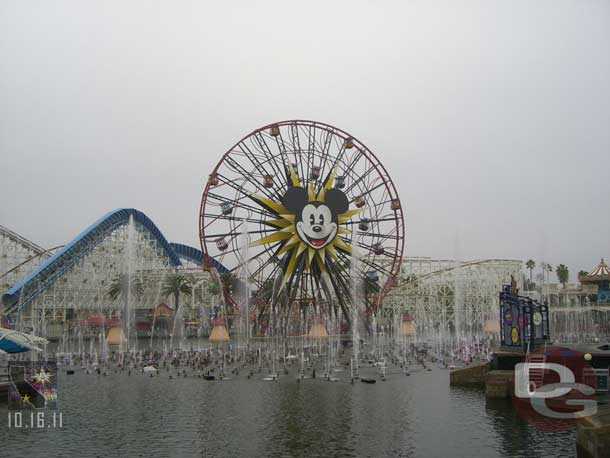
[316, 227]
[316, 222]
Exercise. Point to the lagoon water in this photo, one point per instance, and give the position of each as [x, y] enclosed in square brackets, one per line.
[416, 416]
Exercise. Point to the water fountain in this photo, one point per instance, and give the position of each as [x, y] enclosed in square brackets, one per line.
[128, 269]
[244, 316]
[356, 299]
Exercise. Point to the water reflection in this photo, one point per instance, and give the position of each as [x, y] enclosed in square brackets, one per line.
[417, 416]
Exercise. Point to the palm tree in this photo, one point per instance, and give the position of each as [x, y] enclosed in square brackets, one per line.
[230, 283]
[547, 268]
[119, 286]
[174, 285]
[213, 288]
[123, 286]
[563, 274]
[530, 264]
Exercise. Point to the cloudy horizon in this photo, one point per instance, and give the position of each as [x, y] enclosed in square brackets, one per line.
[492, 117]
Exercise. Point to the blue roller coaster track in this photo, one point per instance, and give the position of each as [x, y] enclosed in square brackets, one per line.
[30, 287]
[196, 256]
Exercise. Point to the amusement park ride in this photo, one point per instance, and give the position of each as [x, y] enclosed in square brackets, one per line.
[304, 222]
[290, 208]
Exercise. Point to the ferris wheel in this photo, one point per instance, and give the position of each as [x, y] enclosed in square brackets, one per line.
[303, 211]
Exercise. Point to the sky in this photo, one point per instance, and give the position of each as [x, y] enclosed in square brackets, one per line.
[493, 117]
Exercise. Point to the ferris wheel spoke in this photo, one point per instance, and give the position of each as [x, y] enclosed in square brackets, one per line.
[281, 146]
[311, 136]
[342, 277]
[269, 155]
[229, 218]
[217, 217]
[352, 162]
[360, 179]
[336, 162]
[321, 287]
[240, 203]
[379, 205]
[364, 260]
[226, 234]
[259, 166]
[325, 159]
[248, 176]
[373, 266]
[272, 247]
[229, 199]
[303, 170]
[378, 236]
[294, 136]
[253, 156]
[368, 190]
[377, 220]
[341, 290]
[326, 147]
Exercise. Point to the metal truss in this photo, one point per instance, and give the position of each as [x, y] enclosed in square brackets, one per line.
[82, 290]
[450, 297]
[69, 257]
[18, 257]
[43, 289]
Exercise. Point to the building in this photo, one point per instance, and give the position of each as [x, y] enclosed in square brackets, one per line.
[598, 279]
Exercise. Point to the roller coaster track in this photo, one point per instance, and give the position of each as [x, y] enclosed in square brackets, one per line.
[21, 240]
[31, 258]
[413, 278]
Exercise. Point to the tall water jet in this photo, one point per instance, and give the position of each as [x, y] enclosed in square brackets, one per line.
[458, 293]
[127, 275]
[245, 313]
[177, 325]
[155, 313]
[357, 290]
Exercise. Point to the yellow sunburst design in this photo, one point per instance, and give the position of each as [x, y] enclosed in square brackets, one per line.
[42, 377]
[290, 243]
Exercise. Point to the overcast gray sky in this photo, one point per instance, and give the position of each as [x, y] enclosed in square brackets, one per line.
[493, 117]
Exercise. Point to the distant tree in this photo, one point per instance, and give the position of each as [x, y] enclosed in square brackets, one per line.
[126, 288]
[230, 282]
[120, 287]
[174, 285]
[563, 274]
[547, 268]
[583, 273]
[213, 288]
[530, 264]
